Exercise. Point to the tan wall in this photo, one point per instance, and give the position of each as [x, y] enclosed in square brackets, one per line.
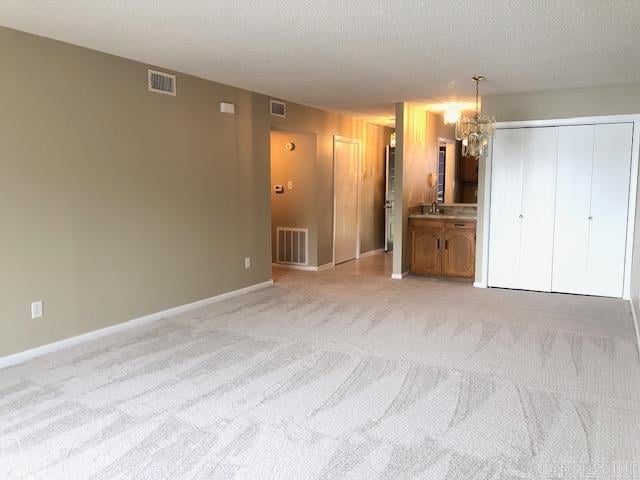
[117, 203]
[570, 103]
[296, 207]
[418, 147]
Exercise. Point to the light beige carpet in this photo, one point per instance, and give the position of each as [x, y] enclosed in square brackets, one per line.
[339, 375]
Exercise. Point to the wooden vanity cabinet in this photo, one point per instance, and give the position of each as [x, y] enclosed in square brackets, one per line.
[442, 247]
[426, 252]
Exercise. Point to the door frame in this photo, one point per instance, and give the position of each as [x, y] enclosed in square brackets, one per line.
[443, 141]
[387, 206]
[482, 255]
[272, 227]
[358, 143]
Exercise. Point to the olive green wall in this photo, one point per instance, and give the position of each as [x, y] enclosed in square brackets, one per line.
[116, 203]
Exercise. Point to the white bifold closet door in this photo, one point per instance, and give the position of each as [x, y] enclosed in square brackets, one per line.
[522, 208]
[592, 197]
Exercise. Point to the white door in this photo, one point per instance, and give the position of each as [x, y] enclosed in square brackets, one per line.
[591, 215]
[506, 207]
[573, 199]
[609, 207]
[346, 200]
[540, 152]
[522, 206]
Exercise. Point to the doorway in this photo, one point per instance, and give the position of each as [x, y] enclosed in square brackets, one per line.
[346, 174]
[293, 202]
[389, 196]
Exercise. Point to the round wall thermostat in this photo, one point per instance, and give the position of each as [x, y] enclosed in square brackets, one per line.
[290, 146]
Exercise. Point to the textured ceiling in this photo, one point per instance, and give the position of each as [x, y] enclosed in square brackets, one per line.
[357, 56]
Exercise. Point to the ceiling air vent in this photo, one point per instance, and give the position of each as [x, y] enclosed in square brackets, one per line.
[278, 109]
[164, 83]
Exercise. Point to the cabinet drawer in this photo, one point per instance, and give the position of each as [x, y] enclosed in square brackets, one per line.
[469, 224]
[425, 222]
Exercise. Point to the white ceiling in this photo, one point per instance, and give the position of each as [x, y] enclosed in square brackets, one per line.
[357, 56]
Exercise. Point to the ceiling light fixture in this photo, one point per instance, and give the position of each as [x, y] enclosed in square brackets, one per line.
[451, 116]
[475, 132]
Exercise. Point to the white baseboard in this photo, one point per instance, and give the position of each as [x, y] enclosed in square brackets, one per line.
[304, 268]
[21, 357]
[372, 252]
[479, 285]
[399, 276]
[635, 324]
[326, 266]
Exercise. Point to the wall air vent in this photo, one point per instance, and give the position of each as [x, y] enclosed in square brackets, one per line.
[292, 245]
[278, 109]
[160, 82]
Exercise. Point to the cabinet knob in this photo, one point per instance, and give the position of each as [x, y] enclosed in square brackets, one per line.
[520, 216]
[590, 218]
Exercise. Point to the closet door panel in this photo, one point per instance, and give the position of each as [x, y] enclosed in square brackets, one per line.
[573, 198]
[609, 208]
[540, 150]
[506, 202]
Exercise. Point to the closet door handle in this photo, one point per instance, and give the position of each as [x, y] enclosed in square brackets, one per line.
[438, 244]
[446, 244]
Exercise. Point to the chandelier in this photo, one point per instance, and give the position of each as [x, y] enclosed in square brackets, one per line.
[475, 132]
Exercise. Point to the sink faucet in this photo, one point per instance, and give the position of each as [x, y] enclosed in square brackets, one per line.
[434, 207]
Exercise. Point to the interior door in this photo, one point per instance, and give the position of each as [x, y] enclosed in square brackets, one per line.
[573, 199]
[539, 153]
[609, 209]
[506, 207]
[346, 200]
[389, 198]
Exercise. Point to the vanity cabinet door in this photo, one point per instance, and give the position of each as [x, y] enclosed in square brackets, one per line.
[426, 252]
[459, 251]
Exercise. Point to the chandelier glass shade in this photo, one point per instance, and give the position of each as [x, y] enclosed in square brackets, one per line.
[476, 131]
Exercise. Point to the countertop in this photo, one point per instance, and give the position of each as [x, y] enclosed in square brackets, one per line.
[444, 216]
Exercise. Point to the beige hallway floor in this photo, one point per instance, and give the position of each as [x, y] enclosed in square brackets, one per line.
[339, 374]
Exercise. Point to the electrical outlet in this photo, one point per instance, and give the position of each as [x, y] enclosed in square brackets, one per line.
[247, 262]
[36, 309]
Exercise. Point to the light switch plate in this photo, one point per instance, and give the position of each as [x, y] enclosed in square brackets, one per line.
[290, 184]
[247, 262]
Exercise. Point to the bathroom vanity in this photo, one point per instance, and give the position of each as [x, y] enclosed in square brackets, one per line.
[443, 244]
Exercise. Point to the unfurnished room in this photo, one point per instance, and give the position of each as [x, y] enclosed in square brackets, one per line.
[286, 239]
